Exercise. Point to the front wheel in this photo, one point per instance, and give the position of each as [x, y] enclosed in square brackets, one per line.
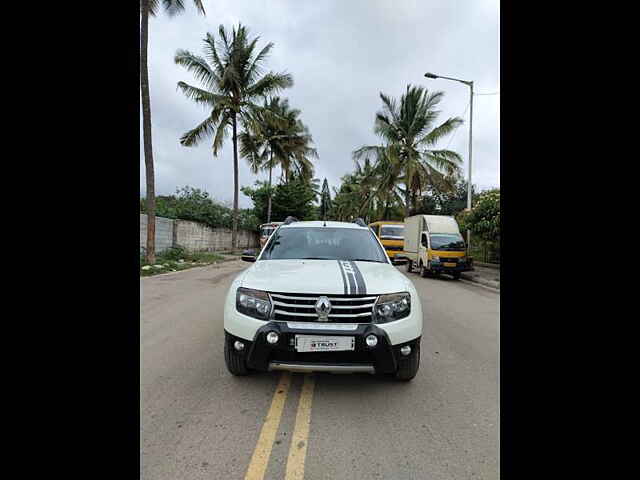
[423, 271]
[409, 266]
[235, 361]
[408, 368]
[456, 275]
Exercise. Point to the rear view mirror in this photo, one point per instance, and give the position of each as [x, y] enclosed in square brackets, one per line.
[249, 256]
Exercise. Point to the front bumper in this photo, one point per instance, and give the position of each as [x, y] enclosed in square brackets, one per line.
[383, 358]
[461, 267]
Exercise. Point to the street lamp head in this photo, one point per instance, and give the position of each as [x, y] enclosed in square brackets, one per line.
[430, 75]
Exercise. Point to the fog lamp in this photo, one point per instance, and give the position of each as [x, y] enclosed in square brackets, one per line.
[371, 340]
[272, 337]
[406, 350]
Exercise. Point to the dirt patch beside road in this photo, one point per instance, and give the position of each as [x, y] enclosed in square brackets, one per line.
[487, 276]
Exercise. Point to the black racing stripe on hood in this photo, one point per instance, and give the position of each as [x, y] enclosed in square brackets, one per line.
[361, 286]
[350, 276]
[344, 279]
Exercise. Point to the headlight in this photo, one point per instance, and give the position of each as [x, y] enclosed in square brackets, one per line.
[392, 307]
[435, 258]
[254, 303]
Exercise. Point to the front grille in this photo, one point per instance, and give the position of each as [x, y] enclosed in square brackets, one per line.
[449, 260]
[393, 248]
[300, 307]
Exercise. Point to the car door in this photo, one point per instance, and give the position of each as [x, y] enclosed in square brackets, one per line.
[424, 248]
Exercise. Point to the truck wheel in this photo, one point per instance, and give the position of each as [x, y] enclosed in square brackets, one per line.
[235, 362]
[423, 271]
[408, 368]
[409, 266]
[456, 275]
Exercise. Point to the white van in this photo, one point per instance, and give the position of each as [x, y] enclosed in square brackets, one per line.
[433, 245]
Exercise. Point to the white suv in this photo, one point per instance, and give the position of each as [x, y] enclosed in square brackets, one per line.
[322, 296]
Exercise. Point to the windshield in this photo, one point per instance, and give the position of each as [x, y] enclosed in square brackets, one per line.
[324, 244]
[452, 242]
[266, 231]
[392, 232]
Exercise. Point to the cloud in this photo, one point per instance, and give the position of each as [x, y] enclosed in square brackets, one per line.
[342, 54]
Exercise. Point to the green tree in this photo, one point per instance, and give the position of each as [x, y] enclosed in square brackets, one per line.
[295, 198]
[408, 132]
[348, 201]
[150, 8]
[259, 195]
[277, 137]
[193, 204]
[448, 202]
[232, 83]
[484, 218]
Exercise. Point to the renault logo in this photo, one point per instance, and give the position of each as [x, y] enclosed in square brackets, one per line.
[323, 307]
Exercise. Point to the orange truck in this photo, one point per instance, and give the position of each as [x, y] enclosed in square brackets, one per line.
[391, 235]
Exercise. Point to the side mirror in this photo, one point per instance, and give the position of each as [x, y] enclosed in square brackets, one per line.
[249, 256]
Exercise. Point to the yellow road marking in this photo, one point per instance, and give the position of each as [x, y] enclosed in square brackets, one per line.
[300, 439]
[261, 454]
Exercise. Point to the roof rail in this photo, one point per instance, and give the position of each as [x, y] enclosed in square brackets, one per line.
[289, 220]
[359, 221]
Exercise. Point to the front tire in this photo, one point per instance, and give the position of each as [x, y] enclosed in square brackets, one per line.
[409, 367]
[409, 266]
[456, 275]
[423, 271]
[236, 363]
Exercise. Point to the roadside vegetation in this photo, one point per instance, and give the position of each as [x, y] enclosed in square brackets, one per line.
[193, 204]
[232, 83]
[176, 259]
[406, 173]
[484, 222]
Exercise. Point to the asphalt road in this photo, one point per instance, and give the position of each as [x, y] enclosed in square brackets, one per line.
[199, 422]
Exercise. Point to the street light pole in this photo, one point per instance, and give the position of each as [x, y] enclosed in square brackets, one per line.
[470, 148]
[470, 85]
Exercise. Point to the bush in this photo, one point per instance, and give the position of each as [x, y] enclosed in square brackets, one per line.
[484, 218]
[174, 253]
[193, 204]
[484, 222]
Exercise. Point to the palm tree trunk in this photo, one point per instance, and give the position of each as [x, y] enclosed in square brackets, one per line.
[407, 202]
[146, 134]
[269, 202]
[234, 232]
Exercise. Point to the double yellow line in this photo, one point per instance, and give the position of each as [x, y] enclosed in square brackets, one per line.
[300, 438]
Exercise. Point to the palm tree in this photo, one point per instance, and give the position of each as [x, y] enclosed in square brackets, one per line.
[381, 183]
[150, 7]
[276, 137]
[232, 81]
[409, 135]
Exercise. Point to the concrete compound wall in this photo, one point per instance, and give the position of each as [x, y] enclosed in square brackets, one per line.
[164, 232]
[198, 237]
[194, 236]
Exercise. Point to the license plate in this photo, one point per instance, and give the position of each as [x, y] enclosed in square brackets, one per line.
[448, 264]
[312, 343]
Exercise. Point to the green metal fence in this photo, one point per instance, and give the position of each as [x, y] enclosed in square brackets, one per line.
[484, 252]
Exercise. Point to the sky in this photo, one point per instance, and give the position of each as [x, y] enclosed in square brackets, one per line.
[341, 54]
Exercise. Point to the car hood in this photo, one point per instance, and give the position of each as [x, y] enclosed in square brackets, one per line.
[324, 277]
